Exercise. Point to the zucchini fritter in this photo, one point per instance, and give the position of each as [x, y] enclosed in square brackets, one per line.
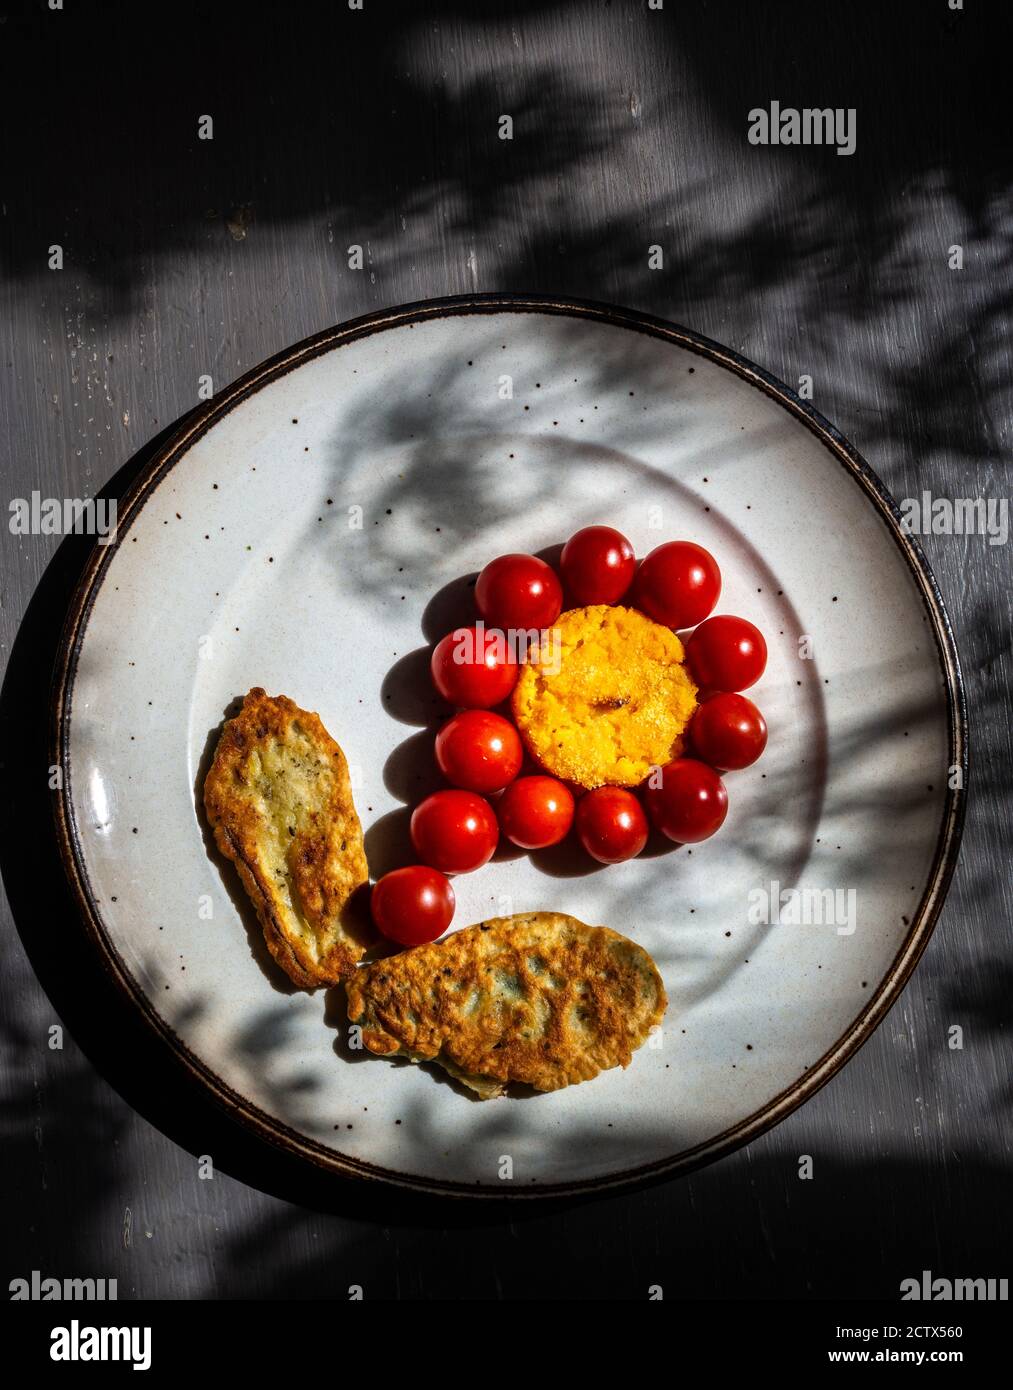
[538, 998]
[279, 799]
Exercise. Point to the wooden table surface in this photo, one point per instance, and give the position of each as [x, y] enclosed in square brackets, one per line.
[184, 258]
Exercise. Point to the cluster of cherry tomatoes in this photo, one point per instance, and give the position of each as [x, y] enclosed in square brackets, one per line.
[480, 753]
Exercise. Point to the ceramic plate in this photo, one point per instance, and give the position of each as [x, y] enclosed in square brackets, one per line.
[313, 531]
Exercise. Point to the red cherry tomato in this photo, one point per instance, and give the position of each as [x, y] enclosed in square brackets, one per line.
[535, 812]
[611, 824]
[454, 831]
[728, 731]
[479, 750]
[726, 653]
[678, 584]
[689, 803]
[412, 905]
[474, 668]
[598, 565]
[520, 592]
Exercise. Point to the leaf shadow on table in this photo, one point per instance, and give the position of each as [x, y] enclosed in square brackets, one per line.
[340, 91]
[373, 131]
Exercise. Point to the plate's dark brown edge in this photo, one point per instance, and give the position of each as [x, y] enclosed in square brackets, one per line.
[947, 844]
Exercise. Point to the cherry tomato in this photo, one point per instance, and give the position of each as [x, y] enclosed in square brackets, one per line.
[454, 831]
[479, 750]
[535, 812]
[519, 592]
[598, 565]
[728, 731]
[678, 584]
[689, 803]
[412, 905]
[474, 668]
[726, 653]
[611, 824]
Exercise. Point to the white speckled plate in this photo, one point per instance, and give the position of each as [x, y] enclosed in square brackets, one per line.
[455, 431]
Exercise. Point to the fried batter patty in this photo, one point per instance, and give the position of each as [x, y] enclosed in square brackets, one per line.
[538, 998]
[279, 799]
[618, 703]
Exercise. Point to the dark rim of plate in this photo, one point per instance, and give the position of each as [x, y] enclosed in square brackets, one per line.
[947, 842]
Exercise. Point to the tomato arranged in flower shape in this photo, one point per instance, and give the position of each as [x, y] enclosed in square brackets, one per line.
[479, 751]
[412, 905]
[678, 584]
[598, 565]
[519, 592]
[536, 812]
[726, 653]
[454, 831]
[686, 801]
[474, 668]
[611, 824]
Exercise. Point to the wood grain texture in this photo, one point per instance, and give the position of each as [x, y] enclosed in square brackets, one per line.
[184, 258]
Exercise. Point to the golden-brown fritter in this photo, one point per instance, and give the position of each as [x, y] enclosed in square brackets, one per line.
[279, 799]
[538, 998]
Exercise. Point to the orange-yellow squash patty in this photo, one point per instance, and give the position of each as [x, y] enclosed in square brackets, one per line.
[607, 698]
